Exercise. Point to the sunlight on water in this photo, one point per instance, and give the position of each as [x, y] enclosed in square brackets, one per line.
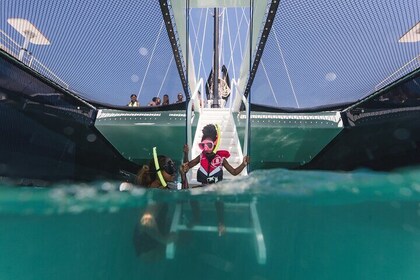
[278, 224]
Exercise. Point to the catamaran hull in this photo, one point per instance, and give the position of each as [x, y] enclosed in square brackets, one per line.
[48, 132]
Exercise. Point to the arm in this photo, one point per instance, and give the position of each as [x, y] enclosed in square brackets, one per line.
[186, 166]
[186, 150]
[182, 168]
[149, 226]
[237, 170]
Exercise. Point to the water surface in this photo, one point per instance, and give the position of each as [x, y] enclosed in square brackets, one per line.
[314, 225]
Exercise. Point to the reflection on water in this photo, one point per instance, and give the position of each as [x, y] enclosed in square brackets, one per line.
[278, 224]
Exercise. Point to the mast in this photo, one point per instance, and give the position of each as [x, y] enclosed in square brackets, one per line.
[216, 60]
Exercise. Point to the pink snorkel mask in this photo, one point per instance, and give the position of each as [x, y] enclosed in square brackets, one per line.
[206, 145]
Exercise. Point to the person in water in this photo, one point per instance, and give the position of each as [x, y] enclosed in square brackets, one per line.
[211, 162]
[151, 233]
[157, 173]
[211, 159]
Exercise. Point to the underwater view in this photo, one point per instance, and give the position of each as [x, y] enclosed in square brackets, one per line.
[279, 224]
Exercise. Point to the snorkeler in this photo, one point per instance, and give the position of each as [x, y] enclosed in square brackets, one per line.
[211, 159]
[151, 233]
[211, 162]
[160, 173]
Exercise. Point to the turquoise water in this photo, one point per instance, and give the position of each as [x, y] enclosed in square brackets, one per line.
[314, 225]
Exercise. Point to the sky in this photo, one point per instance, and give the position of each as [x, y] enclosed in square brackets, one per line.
[318, 52]
[329, 52]
[105, 50]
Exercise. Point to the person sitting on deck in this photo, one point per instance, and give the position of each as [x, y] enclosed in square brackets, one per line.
[133, 102]
[211, 162]
[180, 98]
[158, 102]
[155, 102]
[165, 100]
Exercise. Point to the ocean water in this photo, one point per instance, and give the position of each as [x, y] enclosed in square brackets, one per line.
[280, 224]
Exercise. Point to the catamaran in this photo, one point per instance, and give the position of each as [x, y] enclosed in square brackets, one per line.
[313, 89]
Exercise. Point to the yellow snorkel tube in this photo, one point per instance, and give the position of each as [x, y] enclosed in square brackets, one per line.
[218, 138]
[159, 173]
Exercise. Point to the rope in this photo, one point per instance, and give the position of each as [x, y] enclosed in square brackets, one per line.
[285, 67]
[151, 57]
[238, 24]
[164, 78]
[238, 33]
[195, 33]
[247, 33]
[231, 50]
[269, 82]
[200, 52]
[221, 53]
[202, 47]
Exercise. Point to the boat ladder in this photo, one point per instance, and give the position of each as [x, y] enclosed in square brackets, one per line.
[254, 229]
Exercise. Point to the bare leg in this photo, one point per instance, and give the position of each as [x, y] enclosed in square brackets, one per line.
[220, 209]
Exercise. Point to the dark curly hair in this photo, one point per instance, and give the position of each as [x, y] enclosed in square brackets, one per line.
[147, 174]
[209, 131]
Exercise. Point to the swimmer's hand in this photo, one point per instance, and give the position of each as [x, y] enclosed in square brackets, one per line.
[185, 168]
[147, 220]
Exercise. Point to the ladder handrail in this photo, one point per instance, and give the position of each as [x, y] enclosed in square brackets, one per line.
[244, 100]
[189, 113]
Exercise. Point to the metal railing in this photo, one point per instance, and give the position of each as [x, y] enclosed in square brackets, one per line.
[13, 48]
[196, 102]
[9, 45]
[245, 101]
[405, 69]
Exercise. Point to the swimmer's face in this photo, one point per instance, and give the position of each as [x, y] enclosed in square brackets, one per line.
[207, 145]
[168, 177]
[169, 170]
